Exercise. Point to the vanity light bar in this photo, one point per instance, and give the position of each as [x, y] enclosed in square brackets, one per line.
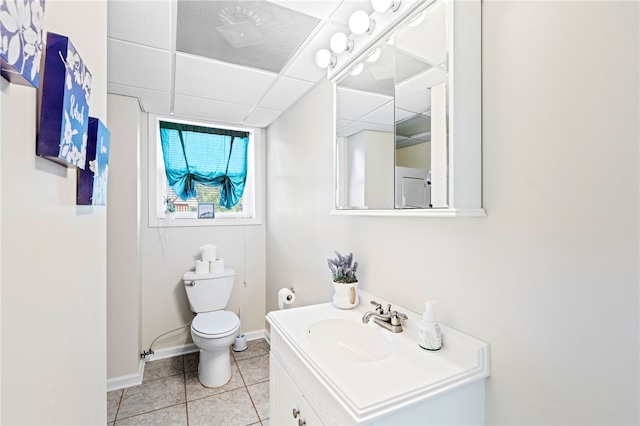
[359, 23]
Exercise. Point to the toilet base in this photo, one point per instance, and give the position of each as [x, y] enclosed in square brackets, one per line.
[214, 368]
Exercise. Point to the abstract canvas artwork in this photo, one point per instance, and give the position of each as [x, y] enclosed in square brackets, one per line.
[64, 114]
[92, 181]
[21, 40]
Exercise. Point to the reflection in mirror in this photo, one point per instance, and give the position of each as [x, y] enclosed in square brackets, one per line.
[391, 121]
[420, 111]
[365, 137]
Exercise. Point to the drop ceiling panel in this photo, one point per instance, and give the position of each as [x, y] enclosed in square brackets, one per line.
[142, 22]
[340, 124]
[145, 67]
[415, 95]
[262, 117]
[358, 126]
[220, 81]
[346, 8]
[317, 9]
[255, 34]
[382, 115]
[151, 100]
[207, 109]
[354, 104]
[402, 114]
[284, 93]
[304, 66]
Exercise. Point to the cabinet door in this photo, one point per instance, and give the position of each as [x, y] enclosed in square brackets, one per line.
[288, 406]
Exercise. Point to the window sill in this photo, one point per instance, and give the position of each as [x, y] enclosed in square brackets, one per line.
[162, 222]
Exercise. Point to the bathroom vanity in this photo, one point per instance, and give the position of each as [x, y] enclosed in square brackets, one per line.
[327, 367]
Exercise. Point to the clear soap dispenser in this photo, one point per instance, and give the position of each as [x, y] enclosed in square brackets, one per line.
[429, 334]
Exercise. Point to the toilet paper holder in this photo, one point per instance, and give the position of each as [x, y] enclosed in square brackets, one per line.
[286, 296]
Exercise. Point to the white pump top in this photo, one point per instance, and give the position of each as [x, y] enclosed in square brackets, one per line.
[429, 314]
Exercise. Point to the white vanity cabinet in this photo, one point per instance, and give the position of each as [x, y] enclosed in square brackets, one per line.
[406, 385]
[290, 408]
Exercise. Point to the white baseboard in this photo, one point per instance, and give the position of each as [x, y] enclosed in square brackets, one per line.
[171, 352]
[127, 381]
[136, 379]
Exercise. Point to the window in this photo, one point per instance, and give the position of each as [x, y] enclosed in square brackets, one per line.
[206, 164]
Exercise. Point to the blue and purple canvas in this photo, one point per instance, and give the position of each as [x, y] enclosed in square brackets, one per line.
[64, 115]
[92, 181]
[21, 23]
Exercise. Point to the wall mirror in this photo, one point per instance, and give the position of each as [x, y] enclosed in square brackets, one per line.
[386, 137]
[395, 117]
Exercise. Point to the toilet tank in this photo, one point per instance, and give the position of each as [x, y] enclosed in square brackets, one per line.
[208, 292]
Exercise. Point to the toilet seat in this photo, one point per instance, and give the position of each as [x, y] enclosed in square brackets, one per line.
[217, 323]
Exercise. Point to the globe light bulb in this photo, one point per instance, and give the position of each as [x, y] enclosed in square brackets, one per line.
[324, 58]
[381, 6]
[360, 23]
[340, 43]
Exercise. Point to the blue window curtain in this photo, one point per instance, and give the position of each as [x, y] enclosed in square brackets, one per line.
[209, 156]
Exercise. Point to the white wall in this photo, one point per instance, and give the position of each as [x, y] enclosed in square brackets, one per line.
[301, 235]
[167, 253]
[550, 277]
[123, 239]
[53, 254]
[416, 156]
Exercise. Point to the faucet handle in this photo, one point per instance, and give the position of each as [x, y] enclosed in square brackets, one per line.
[396, 317]
[377, 306]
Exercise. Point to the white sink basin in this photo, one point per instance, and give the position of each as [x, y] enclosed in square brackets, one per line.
[349, 340]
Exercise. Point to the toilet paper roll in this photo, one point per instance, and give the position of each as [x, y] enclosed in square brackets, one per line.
[285, 297]
[217, 266]
[209, 252]
[202, 267]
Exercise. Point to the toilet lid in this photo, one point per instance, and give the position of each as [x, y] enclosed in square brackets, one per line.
[218, 322]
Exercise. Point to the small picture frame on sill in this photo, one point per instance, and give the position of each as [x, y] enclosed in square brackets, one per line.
[206, 211]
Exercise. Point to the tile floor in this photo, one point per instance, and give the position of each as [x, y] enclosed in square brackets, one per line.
[170, 393]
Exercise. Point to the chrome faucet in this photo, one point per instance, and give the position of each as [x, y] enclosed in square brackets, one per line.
[391, 320]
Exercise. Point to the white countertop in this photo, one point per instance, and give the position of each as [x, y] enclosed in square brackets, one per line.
[409, 375]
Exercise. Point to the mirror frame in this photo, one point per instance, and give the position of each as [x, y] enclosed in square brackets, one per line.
[465, 103]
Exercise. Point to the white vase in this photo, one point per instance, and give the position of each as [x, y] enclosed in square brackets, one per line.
[346, 295]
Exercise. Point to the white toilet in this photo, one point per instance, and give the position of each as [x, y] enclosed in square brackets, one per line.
[213, 329]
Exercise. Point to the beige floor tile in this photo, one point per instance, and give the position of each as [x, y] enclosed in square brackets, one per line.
[174, 416]
[260, 396]
[254, 348]
[191, 362]
[195, 390]
[113, 401]
[152, 395]
[254, 370]
[265, 422]
[228, 408]
[163, 368]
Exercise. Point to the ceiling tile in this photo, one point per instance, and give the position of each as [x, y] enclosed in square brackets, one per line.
[354, 104]
[220, 81]
[136, 65]
[344, 11]
[382, 115]
[358, 126]
[151, 100]
[304, 65]
[256, 34]
[262, 117]
[313, 8]
[284, 93]
[142, 22]
[414, 94]
[207, 109]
